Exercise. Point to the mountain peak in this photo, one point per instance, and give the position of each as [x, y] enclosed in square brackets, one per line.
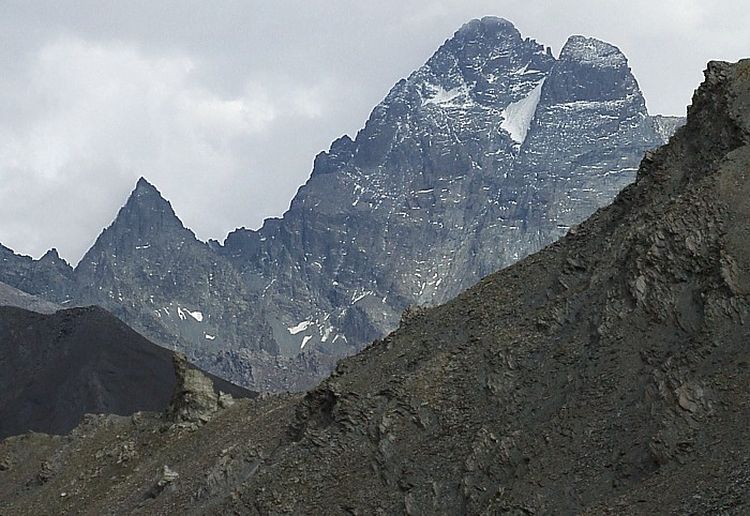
[592, 51]
[486, 25]
[52, 253]
[53, 257]
[145, 197]
[591, 70]
[142, 186]
[489, 32]
[487, 62]
[145, 215]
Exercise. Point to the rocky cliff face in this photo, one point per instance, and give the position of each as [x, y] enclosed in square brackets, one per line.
[488, 152]
[491, 150]
[151, 271]
[606, 374]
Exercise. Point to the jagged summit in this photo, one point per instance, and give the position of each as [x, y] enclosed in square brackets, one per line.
[486, 62]
[49, 277]
[146, 212]
[480, 144]
[145, 231]
[52, 253]
[144, 186]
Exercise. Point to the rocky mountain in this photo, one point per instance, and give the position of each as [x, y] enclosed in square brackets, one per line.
[56, 368]
[148, 269]
[606, 374]
[490, 151]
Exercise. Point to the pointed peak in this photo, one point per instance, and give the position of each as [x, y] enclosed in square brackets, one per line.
[52, 257]
[144, 192]
[146, 221]
[482, 62]
[592, 51]
[146, 202]
[144, 186]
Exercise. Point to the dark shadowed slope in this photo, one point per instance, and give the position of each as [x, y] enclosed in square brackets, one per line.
[55, 368]
[607, 373]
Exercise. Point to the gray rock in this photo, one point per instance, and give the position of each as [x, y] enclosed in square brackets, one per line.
[194, 400]
[167, 478]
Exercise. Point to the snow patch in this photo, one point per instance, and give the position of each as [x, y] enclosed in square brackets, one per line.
[518, 115]
[294, 330]
[183, 313]
[305, 340]
[358, 297]
[455, 97]
[209, 337]
[198, 316]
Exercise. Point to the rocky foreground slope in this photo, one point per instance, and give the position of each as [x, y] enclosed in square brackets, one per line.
[54, 368]
[489, 151]
[608, 373]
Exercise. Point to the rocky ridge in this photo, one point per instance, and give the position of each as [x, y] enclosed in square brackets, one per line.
[606, 374]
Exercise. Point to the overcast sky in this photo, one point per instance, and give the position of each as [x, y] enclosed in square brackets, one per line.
[223, 105]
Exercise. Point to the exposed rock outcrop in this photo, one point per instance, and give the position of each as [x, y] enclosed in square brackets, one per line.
[195, 401]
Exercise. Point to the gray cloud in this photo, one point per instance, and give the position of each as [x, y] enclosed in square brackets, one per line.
[223, 105]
